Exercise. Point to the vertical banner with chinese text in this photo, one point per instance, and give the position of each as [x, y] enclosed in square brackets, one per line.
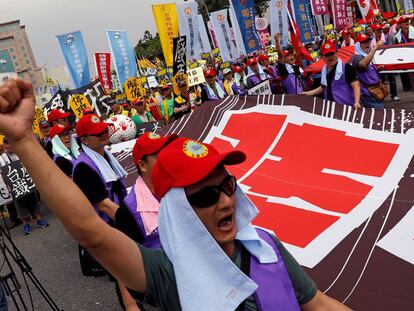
[408, 5]
[75, 56]
[166, 19]
[103, 68]
[279, 20]
[188, 26]
[245, 18]
[18, 179]
[202, 35]
[303, 18]
[319, 7]
[223, 36]
[180, 60]
[340, 14]
[238, 36]
[123, 54]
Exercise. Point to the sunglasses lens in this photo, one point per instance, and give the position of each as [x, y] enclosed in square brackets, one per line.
[229, 185]
[206, 197]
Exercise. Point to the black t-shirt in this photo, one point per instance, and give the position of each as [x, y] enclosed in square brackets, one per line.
[180, 105]
[204, 96]
[92, 185]
[65, 165]
[350, 76]
[125, 222]
[48, 147]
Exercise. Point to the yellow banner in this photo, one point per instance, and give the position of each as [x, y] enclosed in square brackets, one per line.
[166, 19]
[78, 103]
[133, 89]
[39, 116]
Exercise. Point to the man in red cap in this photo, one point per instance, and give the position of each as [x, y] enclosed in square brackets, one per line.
[64, 147]
[367, 73]
[347, 39]
[232, 86]
[191, 179]
[272, 74]
[255, 73]
[213, 89]
[378, 35]
[141, 115]
[339, 80]
[57, 116]
[405, 35]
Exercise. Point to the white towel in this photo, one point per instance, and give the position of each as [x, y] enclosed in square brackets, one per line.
[359, 50]
[219, 90]
[206, 277]
[262, 74]
[110, 171]
[338, 73]
[59, 148]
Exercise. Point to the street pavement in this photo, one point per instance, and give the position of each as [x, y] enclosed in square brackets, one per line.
[53, 256]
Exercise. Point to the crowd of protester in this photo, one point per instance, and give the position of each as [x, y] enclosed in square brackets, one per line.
[181, 180]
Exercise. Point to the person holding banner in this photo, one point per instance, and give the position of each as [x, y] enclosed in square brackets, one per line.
[239, 77]
[255, 73]
[213, 89]
[152, 106]
[141, 115]
[198, 225]
[116, 108]
[339, 80]
[231, 85]
[373, 90]
[182, 103]
[272, 74]
[167, 105]
[64, 147]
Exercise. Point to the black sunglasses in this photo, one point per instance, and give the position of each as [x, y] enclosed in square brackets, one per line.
[210, 195]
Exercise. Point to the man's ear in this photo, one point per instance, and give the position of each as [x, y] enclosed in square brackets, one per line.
[142, 166]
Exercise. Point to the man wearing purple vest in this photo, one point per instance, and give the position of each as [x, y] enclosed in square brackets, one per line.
[255, 73]
[213, 89]
[367, 73]
[137, 215]
[212, 257]
[339, 80]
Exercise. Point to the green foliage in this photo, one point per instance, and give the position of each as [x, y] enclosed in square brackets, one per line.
[149, 47]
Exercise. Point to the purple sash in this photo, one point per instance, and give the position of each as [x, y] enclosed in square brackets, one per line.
[275, 291]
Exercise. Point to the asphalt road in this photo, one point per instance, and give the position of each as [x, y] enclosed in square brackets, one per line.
[53, 256]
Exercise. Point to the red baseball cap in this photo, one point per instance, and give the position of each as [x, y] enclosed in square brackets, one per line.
[328, 47]
[150, 143]
[237, 69]
[44, 124]
[345, 32]
[376, 27]
[402, 19]
[185, 162]
[209, 73]
[263, 57]
[87, 110]
[251, 61]
[90, 124]
[56, 114]
[59, 128]
[362, 38]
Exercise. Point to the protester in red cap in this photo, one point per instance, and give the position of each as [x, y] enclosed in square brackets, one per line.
[255, 73]
[293, 79]
[44, 127]
[339, 80]
[212, 210]
[167, 106]
[182, 102]
[372, 94]
[239, 77]
[65, 148]
[369, 31]
[272, 74]
[87, 110]
[153, 107]
[405, 35]
[117, 108]
[347, 39]
[378, 35]
[213, 89]
[57, 116]
[140, 205]
[142, 115]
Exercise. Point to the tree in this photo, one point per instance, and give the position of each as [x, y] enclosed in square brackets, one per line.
[149, 47]
[215, 5]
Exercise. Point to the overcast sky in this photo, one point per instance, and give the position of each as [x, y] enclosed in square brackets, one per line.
[46, 18]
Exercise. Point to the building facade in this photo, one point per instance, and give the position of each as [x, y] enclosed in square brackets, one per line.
[16, 54]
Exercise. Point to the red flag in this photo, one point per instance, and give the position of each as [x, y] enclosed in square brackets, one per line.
[103, 67]
[368, 8]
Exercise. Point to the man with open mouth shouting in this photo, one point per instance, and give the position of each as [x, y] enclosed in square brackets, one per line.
[212, 258]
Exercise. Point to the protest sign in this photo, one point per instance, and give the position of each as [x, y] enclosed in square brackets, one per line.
[225, 65]
[103, 68]
[78, 102]
[166, 19]
[74, 52]
[263, 88]
[5, 195]
[6, 76]
[188, 26]
[177, 79]
[319, 7]
[193, 65]
[180, 60]
[152, 82]
[18, 179]
[132, 89]
[123, 54]
[221, 26]
[196, 76]
[39, 116]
